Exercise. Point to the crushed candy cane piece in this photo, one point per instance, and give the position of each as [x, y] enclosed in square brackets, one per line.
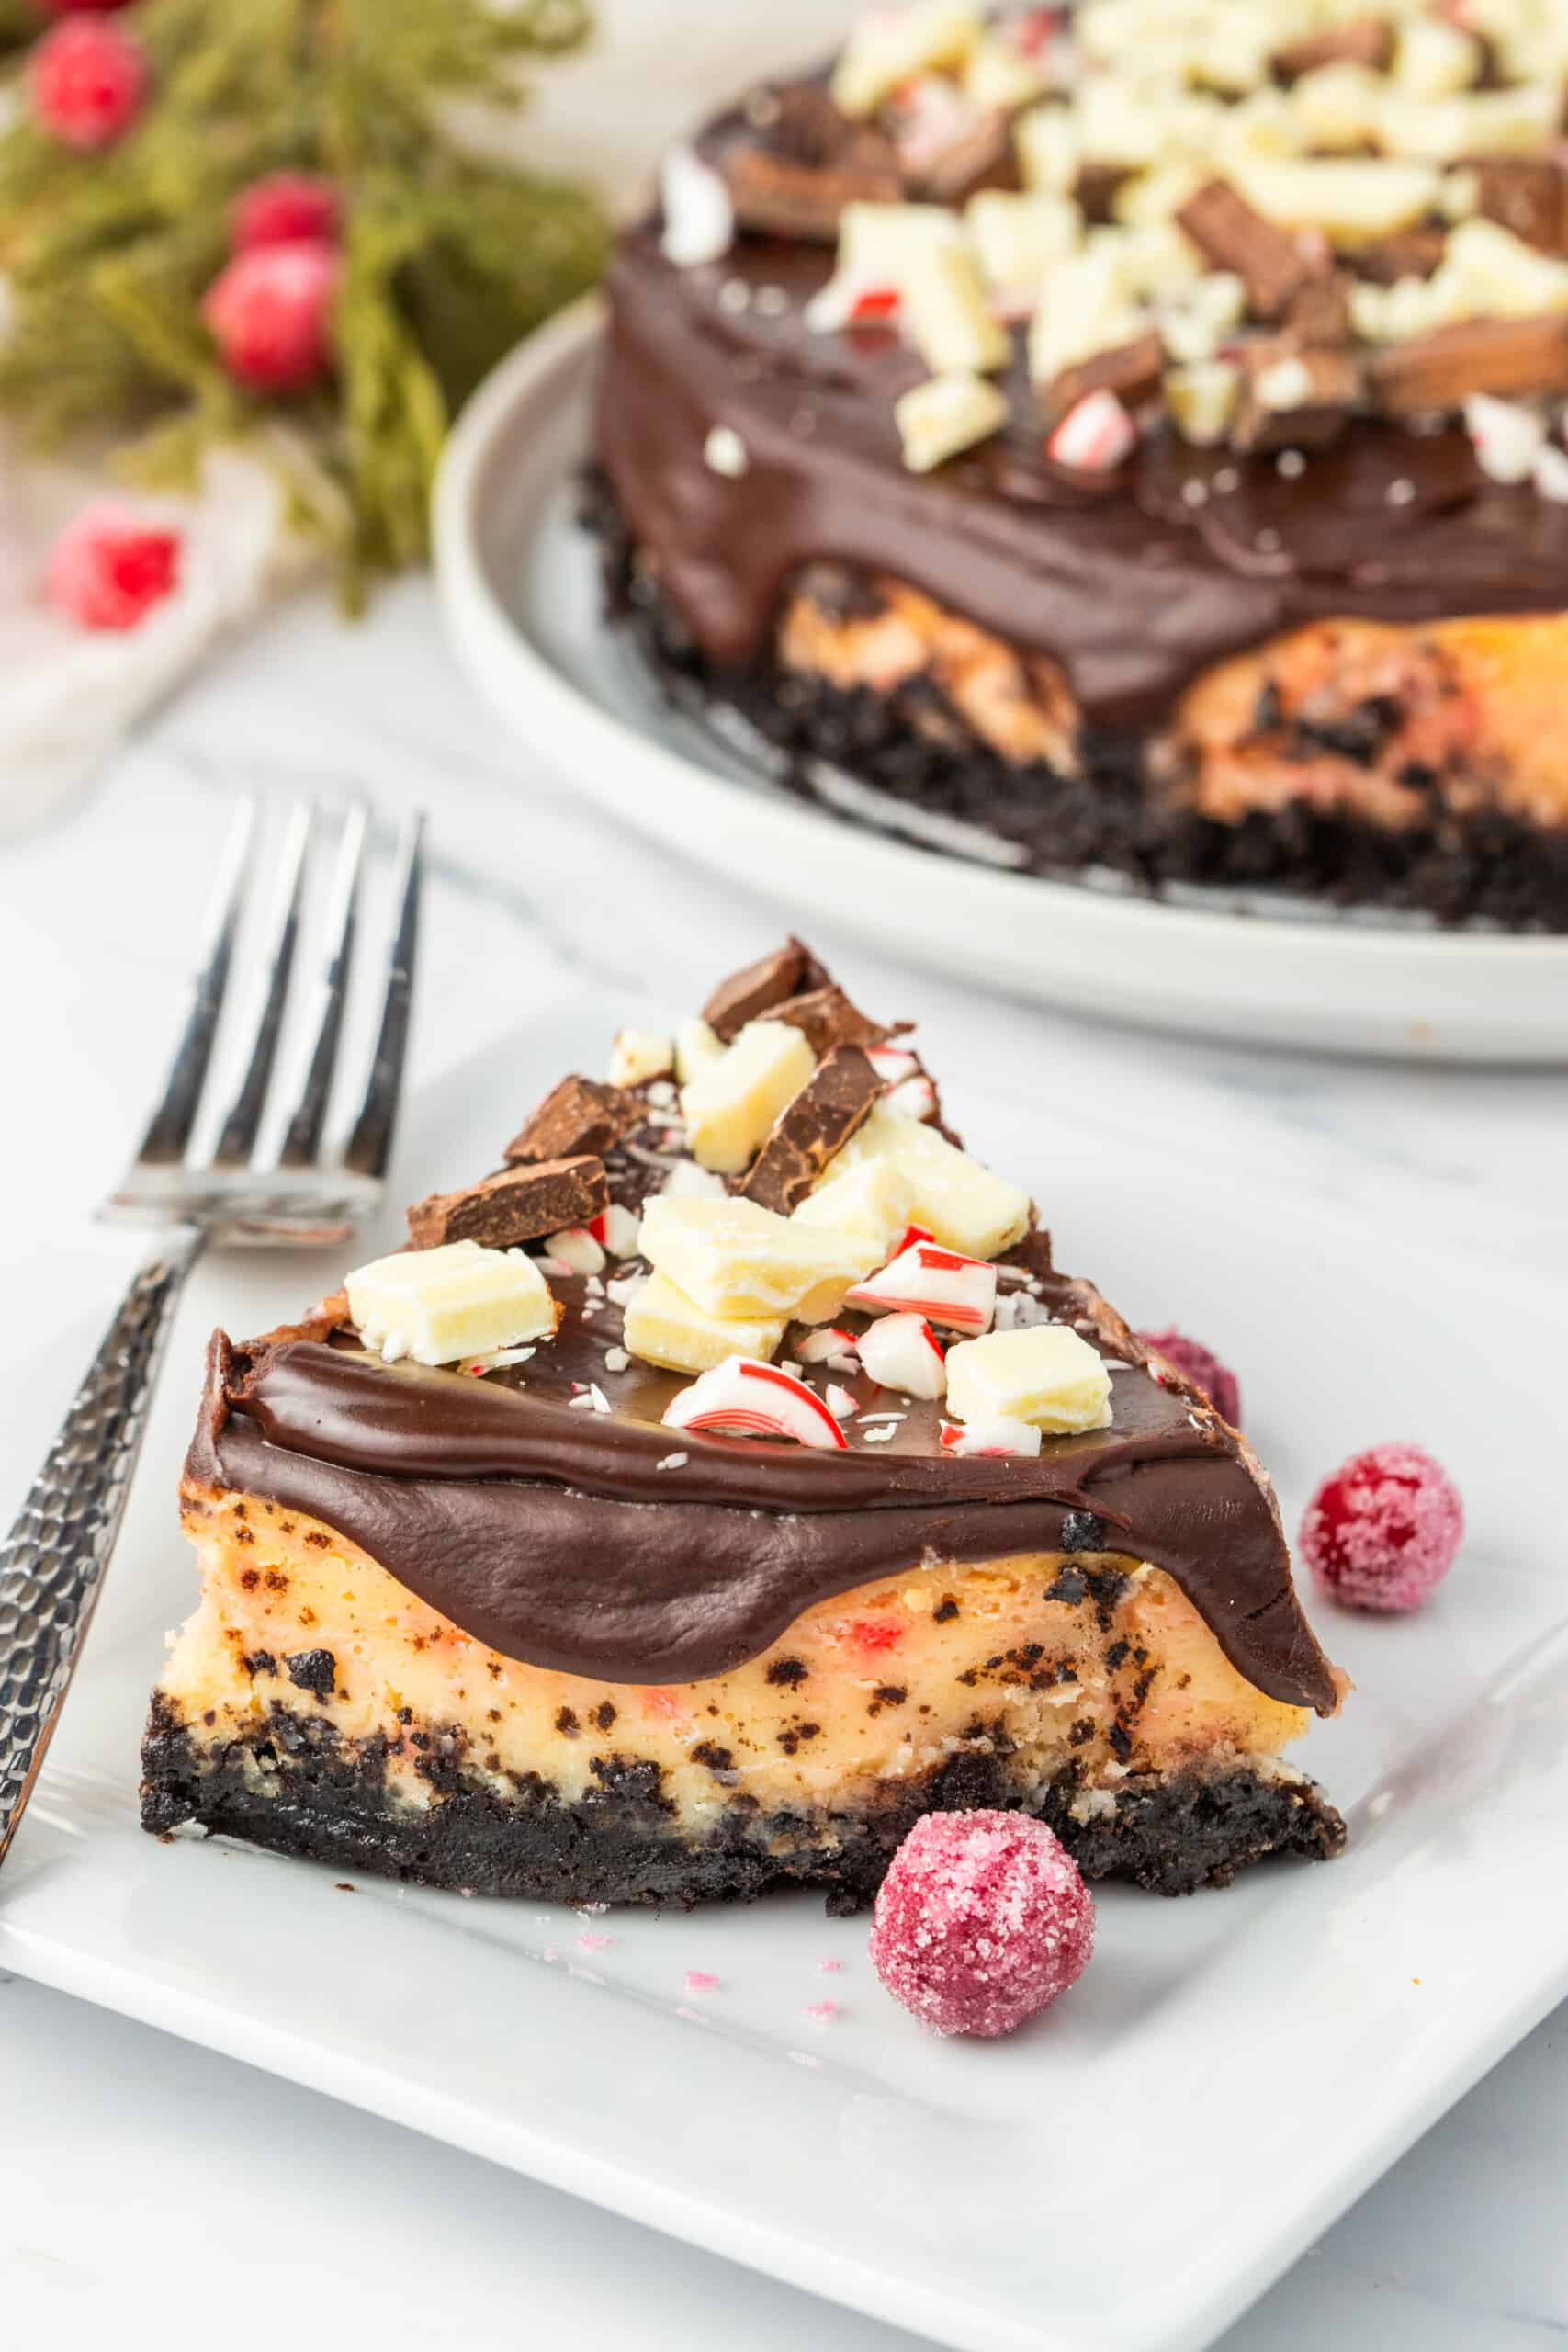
[825, 1346]
[741, 1398]
[950, 1289]
[110, 566]
[1508, 437]
[1096, 436]
[902, 1351]
[615, 1228]
[576, 1250]
[699, 218]
[1001, 1435]
[892, 1063]
[840, 1404]
[698, 1980]
[913, 1098]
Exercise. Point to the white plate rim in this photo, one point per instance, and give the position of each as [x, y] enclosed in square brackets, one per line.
[637, 777]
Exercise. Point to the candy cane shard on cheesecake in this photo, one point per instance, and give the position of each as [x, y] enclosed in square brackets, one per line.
[705, 1542]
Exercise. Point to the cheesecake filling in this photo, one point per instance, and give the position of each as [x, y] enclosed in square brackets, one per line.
[1088, 1672]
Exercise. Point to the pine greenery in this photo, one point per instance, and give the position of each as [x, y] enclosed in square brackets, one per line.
[447, 261]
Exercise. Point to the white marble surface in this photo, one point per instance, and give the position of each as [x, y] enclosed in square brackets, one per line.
[1460, 2249]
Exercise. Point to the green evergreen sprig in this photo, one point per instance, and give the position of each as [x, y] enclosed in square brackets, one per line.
[447, 261]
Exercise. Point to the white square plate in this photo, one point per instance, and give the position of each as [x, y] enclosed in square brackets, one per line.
[1129, 2172]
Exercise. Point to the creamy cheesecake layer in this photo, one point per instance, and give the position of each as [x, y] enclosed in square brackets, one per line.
[1090, 1663]
[1359, 718]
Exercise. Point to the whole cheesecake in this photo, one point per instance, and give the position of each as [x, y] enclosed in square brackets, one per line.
[725, 1483]
[1134, 434]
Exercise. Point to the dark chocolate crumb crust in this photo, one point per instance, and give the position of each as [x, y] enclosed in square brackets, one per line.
[1481, 866]
[293, 1784]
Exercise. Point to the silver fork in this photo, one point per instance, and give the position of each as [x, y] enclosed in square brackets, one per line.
[53, 1561]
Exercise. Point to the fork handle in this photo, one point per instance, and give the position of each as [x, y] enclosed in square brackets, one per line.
[52, 1563]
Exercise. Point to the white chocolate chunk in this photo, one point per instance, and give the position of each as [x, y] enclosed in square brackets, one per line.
[1339, 106]
[453, 1302]
[1155, 258]
[687, 1181]
[696, 1046]
[1018, 238]
[734, 1257]
[1049, 154]
[1201, 400]
[872, 1201]
[948, 318]
[1083, 310]
[699, 218]
[946, 415]
[888, 46]
[962, 1204]
[1203, 314]
[640, 1054]
[665, 1328]
[1434, 60]
[1481, 123]
[1508, 438]
[732, 1101]
[1353, 201]
[888, 245]
[1045, 1376]
[995, 74]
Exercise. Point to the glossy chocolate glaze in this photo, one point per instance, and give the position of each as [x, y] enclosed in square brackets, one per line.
[1132, 585]
[603, 1544]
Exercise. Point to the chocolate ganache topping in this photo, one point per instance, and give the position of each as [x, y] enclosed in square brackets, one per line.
[1135, 582]
[604, 1545]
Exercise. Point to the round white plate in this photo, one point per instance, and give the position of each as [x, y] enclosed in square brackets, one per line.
[519, 585]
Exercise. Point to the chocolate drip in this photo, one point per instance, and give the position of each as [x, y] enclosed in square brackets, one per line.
[604, 1545]
[1135, 585]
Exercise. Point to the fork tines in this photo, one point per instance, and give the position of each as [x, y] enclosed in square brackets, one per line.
[308, 1191]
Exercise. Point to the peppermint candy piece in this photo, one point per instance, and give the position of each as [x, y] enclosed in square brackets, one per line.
[892, 1063]
[741, 1398]
[902, 1351]
[1000, 1436]
[913, 1098]
[699, 218]
[1095, 435]
[577, 1248]
[617, 1228]
[827, 1346]
[958, 1291]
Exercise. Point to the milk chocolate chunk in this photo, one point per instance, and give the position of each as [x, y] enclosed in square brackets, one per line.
[756, 989]
[1294, 399]
[1527, 194]
[1412, 253]
[1096, 188]
[1319, 312]
[1441, 370]
[828, 1019]
[1131, 370]
[983, 155]
[1231, 235]
[834, 1102]
[518, 1204]
[781, 197]
[1367, 40]
[579, 1114]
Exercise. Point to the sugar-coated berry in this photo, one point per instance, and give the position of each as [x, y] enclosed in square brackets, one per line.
[1204, 1368]
[110, 566]
[981, 1921]
[86, 81]
[1383, 1530]
[270, 315]
[283, 208]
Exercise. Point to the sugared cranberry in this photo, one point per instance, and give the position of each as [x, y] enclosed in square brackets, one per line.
[110, 566]
[270, 315]
[981, 1921]
[1204, 1368]
[86, 81]
[1383, 1530]
[283, 208]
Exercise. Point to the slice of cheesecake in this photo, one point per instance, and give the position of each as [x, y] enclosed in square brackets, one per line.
[727, 1482]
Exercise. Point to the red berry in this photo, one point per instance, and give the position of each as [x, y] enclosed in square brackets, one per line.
[1383, 1532]
[86, 81]
[283, 208]
[981, 1922]
[110, 566]
[270, 313]
[1205, 1371]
